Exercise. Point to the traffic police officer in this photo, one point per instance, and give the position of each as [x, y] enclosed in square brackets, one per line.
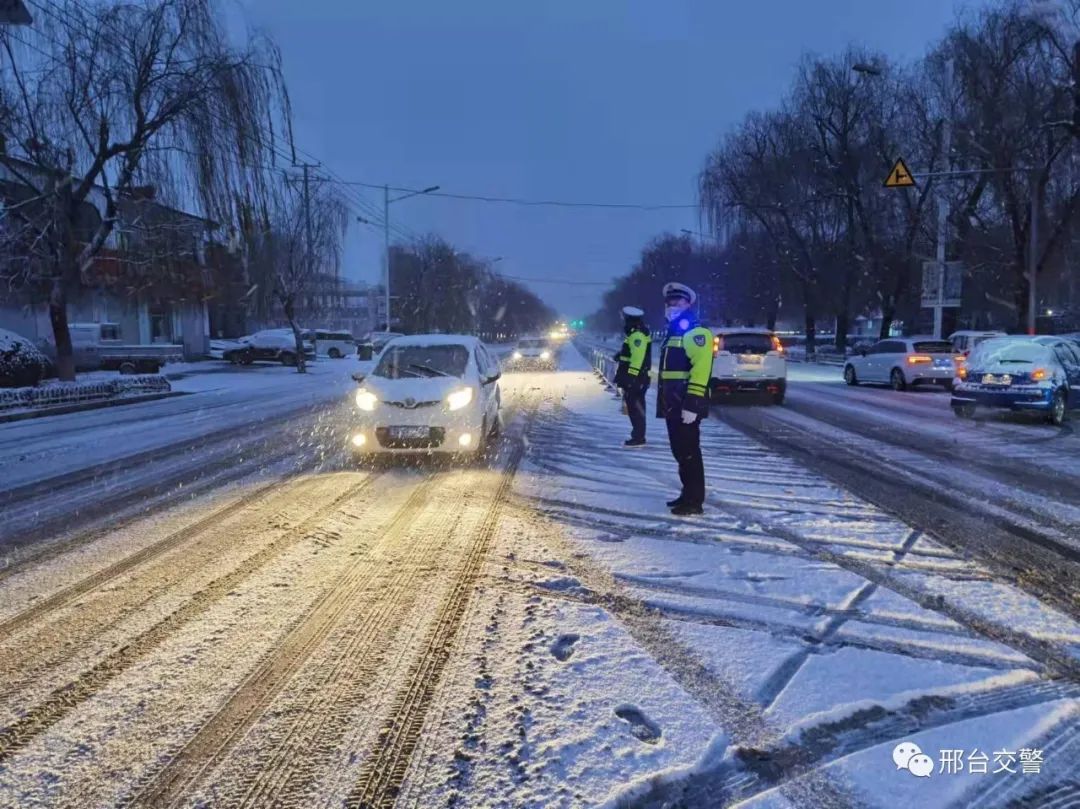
[632, 374]
[682, 401]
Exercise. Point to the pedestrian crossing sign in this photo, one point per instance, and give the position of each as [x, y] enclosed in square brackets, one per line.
[900, 176]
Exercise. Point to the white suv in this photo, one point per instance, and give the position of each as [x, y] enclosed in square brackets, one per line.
[428, 393]
[748, 360]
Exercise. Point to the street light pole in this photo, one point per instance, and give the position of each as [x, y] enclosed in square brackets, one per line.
[386, 235]
[1033, 252]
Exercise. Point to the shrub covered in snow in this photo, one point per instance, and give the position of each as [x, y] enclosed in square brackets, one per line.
[21, 363]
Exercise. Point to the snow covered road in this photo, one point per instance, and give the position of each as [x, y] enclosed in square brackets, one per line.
[535, 631]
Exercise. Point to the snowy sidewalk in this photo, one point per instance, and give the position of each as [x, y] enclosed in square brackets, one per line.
[774, 651]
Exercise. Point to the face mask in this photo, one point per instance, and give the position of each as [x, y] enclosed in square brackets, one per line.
[672, 311]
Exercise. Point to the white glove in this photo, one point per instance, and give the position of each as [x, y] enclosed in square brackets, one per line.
[689, 417]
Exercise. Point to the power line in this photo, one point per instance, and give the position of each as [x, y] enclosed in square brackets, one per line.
[535, 202]
[555, 281]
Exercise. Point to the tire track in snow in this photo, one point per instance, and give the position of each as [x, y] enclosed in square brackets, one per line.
[62, 701]
[382, 774]
[293, 746]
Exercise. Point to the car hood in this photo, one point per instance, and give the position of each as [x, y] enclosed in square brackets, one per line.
[429, 389]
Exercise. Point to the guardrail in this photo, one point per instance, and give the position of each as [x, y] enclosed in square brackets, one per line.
[78, 392]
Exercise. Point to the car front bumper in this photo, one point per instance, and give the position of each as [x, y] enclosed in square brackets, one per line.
[1020, 398]
[431, 430]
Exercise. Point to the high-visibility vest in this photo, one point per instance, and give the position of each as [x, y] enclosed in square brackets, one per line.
[685, 368]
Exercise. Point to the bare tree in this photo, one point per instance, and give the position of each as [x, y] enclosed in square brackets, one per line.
[296, 246]
[111, 97]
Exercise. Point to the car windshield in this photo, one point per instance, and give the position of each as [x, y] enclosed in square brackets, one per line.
[934, 347]
[532, 344]
[749, 343]
[1008, 352]
[400, 362]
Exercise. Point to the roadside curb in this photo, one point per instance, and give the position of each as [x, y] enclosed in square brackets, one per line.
[59, 410]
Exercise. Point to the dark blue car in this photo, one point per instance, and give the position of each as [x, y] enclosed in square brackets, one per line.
[1020, 373]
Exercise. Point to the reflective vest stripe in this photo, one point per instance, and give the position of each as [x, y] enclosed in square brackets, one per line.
[674, 374]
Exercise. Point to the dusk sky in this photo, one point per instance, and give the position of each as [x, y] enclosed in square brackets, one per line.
[575, 100]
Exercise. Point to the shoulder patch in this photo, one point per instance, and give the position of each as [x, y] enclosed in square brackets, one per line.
[699, 340]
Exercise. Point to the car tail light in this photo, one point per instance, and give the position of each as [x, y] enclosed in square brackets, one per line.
[918, 359]
[716, 345]
[777, 346]
[962, 373]
[1040, 374]
[960, 359]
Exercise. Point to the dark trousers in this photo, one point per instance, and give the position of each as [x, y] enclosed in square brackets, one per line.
[634, 399]
[686, 447]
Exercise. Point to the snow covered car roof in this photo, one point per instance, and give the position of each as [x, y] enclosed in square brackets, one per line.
[436, 340]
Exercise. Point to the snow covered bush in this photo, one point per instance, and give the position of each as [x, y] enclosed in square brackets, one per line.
[21, 363]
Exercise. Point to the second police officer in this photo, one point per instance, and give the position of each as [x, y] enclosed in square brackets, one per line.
[682, 398]
[632, 374]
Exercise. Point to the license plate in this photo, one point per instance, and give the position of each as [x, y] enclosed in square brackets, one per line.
[990, 379]
[749, 359]
[409, 432]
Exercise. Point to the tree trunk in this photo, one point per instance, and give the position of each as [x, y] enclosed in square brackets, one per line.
[290, 313]
[841, 330]
[888, 315]
[65, 359]
[811, 332]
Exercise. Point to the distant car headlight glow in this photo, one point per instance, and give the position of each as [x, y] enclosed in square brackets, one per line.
[359, 440]
[545, 355]
[366, 400]
[517, 355]
[459, 398]
[464, 439]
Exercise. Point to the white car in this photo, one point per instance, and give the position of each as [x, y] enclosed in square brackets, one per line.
[533, 352]
[748, 360]
[332, 344]
[964, 341]
[903, 362]
[428, 393]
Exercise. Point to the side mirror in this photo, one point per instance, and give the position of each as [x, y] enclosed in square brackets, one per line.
[359, 376]
[493, 378]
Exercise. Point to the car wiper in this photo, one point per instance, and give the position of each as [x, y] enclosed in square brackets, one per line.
[431, 371]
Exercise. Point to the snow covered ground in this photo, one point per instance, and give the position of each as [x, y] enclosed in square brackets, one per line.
[538, 631]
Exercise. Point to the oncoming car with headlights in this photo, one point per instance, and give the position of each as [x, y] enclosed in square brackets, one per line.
[533, 352]
[428, 393]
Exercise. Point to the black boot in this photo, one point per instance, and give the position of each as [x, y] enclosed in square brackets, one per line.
[686, 509]
[634, 442]
[678, 501]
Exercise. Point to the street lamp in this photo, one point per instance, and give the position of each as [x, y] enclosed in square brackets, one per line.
[386, 234]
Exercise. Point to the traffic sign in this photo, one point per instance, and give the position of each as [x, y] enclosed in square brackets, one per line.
[900, 176]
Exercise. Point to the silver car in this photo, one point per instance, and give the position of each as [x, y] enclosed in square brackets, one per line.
[903, 362]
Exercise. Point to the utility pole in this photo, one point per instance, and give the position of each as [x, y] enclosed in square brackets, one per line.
[386, 248]
[1033, 251]
[942, 202]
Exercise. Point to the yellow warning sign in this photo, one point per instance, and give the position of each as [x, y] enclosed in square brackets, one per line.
[900, 176]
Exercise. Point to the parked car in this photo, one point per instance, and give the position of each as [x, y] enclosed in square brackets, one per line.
[903, 362]
[428, 393]
[748, 360]
[332, 344]
[376, 341]
[964, 341]
[99, 347]
[533, 353]
[1021, 373]
[270, 345]
[21, 363]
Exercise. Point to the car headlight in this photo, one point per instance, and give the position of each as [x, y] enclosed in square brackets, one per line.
[517, 355]
[366, 400]
[545, 355]
[459, 398]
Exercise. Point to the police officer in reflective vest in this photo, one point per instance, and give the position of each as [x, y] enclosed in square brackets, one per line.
[682, 401]
[632, 374]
